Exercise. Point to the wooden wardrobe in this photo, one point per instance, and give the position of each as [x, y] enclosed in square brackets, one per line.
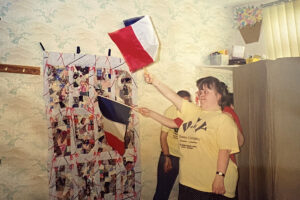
[267, 100]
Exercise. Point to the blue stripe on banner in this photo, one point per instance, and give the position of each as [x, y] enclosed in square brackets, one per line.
[128, 22]
[114, 111]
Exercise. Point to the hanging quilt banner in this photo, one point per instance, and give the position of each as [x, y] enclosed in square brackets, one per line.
[93, 134]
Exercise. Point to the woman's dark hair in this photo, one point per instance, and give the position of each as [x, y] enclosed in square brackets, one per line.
[212, 82]
[183, 93]
[228, 100]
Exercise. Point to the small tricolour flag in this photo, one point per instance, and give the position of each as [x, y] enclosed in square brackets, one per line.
[115, 121]
[137, 42]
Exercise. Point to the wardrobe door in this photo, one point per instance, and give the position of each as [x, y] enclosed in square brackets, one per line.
[284, 103]
[249, 82]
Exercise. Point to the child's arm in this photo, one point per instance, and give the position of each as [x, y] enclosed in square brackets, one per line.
[157, 117]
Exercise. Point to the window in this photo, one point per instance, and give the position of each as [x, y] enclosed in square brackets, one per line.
[281, 25]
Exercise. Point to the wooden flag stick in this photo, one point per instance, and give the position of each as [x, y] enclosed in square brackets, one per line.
[145, 70]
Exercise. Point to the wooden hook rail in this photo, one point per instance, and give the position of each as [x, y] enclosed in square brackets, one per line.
[20, 69]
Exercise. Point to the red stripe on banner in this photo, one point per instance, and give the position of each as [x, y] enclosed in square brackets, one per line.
[115, 143]
[133, 52]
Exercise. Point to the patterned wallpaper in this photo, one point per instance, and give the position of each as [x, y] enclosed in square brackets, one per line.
[188, 31]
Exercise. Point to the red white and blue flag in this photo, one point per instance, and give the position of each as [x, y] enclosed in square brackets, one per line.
[137, 42]
[115, 121]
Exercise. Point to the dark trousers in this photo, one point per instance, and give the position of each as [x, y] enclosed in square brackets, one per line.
[187, 193]
[165, 181]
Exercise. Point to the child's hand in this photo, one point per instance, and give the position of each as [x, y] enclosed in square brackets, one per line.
[144, 111]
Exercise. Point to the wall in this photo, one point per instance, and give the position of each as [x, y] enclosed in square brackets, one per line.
[188, 31]
[254, 48]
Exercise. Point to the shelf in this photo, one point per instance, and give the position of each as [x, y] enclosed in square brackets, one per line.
[227, 67]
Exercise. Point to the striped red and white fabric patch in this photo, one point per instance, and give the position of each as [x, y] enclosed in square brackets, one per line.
[137, 42]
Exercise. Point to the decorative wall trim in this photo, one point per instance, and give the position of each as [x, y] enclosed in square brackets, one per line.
[20, 69]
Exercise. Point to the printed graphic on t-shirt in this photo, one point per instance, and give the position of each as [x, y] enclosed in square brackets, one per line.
[192, 130]
[198, 125]
[175, 134]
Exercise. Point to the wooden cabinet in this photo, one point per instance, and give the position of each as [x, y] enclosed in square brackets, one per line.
[267, 100]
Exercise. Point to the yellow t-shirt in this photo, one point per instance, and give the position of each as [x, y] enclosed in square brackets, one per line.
[201, 136]
[172, 138]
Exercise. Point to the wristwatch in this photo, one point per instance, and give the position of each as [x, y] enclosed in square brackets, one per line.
[220, 173]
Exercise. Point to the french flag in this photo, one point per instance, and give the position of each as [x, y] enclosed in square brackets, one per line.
[115, 121]
[137, 42]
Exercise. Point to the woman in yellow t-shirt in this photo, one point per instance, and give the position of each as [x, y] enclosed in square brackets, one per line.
[206, 138]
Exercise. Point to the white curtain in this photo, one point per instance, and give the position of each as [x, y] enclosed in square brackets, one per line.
[281, 25]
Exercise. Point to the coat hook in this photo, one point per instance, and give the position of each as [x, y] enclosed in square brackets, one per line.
[23, 70]
[6, 68]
